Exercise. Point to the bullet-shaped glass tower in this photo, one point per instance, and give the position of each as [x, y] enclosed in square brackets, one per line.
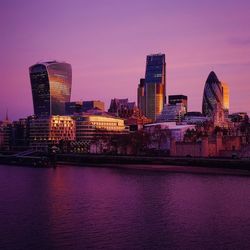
[216, 94]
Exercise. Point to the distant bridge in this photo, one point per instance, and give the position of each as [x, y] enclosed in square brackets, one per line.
[25, 153]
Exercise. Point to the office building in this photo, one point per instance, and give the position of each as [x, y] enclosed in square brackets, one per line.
[96, 131]
[174, 99]
[45, 132]
[73, 108]
[88, 105]
[172, 113]
[88, 126]
[5, 133]
[51, 87]
[155, 85]
[215, 97]
[195, 117]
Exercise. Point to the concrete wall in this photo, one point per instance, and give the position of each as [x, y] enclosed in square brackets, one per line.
[221, 146]
[188, 149]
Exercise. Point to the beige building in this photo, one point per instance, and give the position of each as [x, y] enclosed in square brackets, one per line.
[93, 132]
[88, 126]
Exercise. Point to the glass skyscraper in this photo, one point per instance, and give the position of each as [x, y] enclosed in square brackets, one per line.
[51, 87]
[155, 85]
[216, 95]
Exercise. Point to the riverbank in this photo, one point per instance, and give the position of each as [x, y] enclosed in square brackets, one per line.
[243, 164]
[165, 169]
[172, 164]
[31, 161]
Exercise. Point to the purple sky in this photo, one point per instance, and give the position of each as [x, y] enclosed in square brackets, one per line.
[106, 42]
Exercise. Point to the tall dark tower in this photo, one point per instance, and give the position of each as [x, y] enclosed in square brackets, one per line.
[155, 85]
[51, 87]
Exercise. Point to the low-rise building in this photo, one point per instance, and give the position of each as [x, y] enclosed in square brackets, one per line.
[220, 146]
[73, 108]
[172, 113]
[5, 134]
[94, 132]
[237, 117]
[96, 104]
[174, 99]
[163, 132]
[195, 118]
[45, 132]
[177, 130]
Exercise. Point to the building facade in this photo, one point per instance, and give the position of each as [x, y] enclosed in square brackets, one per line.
[94, 132]
[73, 108]
[195, 117]
[123, 108]
[88, 105]
[45, 132]
[141, 99]
[172, 113]
[174, 99]
[215, 97]
[51, 87]
[89, 125]
[155, 85]
[5, 135]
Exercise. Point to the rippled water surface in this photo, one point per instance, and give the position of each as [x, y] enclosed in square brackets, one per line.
[101, 208]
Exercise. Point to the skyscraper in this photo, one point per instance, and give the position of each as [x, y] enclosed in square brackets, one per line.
[155, 85]
[215, 96]
[51, 87]
[212, 95]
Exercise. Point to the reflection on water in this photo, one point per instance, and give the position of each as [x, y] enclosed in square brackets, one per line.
[97, 208]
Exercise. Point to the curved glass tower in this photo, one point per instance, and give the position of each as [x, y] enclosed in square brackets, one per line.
[51, 87]
[212, 96]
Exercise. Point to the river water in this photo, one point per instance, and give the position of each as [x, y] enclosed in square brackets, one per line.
[104, 208]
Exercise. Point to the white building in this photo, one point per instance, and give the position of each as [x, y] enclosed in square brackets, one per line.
[172, 112]
[177, 131]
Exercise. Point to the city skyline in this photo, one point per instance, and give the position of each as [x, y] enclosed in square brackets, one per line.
[107, 49]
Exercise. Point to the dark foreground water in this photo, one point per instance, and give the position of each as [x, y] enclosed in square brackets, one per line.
[97, 208]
